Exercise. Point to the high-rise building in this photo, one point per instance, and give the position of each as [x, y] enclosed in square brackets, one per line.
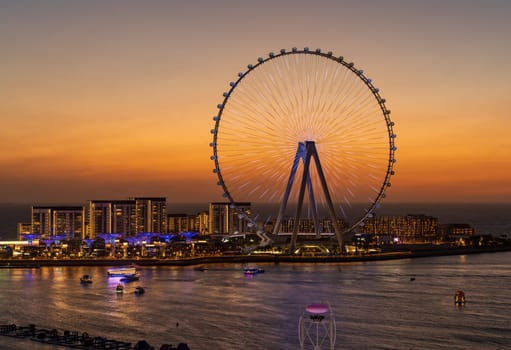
[225, 218]
[151, 214]
[60, 221]
[408, 229]
[177, 223]
[128, 217]
[112, 216]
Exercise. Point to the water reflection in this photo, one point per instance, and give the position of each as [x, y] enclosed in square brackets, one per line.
[376, 304]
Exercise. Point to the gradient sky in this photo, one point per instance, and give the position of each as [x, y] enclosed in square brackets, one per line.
[110, 99]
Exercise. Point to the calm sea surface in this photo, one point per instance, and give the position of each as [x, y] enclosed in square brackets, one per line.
[376, 305]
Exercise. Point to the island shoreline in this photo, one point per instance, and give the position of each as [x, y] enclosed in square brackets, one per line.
[408, 253]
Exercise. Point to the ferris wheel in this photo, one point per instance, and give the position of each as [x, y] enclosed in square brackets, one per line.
[310, 113]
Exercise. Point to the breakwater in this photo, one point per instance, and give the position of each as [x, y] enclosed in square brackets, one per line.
[77, 340]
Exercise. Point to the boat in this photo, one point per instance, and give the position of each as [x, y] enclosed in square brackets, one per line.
[122, 271]
[119, 289]
[139, 290]
[459, 298]
[200, 268]
[85, 279]
[130, 278]
[252, 270]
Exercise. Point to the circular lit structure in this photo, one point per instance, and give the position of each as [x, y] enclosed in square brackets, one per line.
[310, 113]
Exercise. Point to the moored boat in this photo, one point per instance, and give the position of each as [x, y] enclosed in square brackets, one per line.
[130, 278]
[119, 289]
[139, 290]
[252, 270]
[85, 279]
[459, 298]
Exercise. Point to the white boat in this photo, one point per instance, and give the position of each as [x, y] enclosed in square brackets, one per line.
[122, 271]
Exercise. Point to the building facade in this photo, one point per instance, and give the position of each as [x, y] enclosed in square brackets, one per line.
[64, 222]
[128, 217]
[225, 218]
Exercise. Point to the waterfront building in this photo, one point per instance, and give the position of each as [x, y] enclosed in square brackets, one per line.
[151, 214]
[405, 229]
[112, 216]
[306, 226]
[24, 231]
[200, 223]
[225, 218]
[456, 232]
[178, 223]
[64, 222]
[128, 217]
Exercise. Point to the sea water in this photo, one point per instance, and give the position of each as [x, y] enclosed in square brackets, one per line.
[400, 304]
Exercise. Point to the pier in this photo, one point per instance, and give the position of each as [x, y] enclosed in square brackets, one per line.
[77, 340]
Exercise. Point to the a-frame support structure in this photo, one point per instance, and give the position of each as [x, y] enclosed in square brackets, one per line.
[307, 150]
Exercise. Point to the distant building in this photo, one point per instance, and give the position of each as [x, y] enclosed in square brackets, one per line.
[407, 229]
[112, 216]
[128, 217]
[178, 223]
[456, 231]
[225, 218]
[24, 231]
[185, 222]
[306, 226]
[151, 214]
[64, 222]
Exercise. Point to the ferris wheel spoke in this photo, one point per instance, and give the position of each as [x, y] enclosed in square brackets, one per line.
[308, 97]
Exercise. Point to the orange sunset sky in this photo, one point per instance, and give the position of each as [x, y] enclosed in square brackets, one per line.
[113, 99]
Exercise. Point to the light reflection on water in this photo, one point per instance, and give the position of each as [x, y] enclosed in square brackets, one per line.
[402, 304]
